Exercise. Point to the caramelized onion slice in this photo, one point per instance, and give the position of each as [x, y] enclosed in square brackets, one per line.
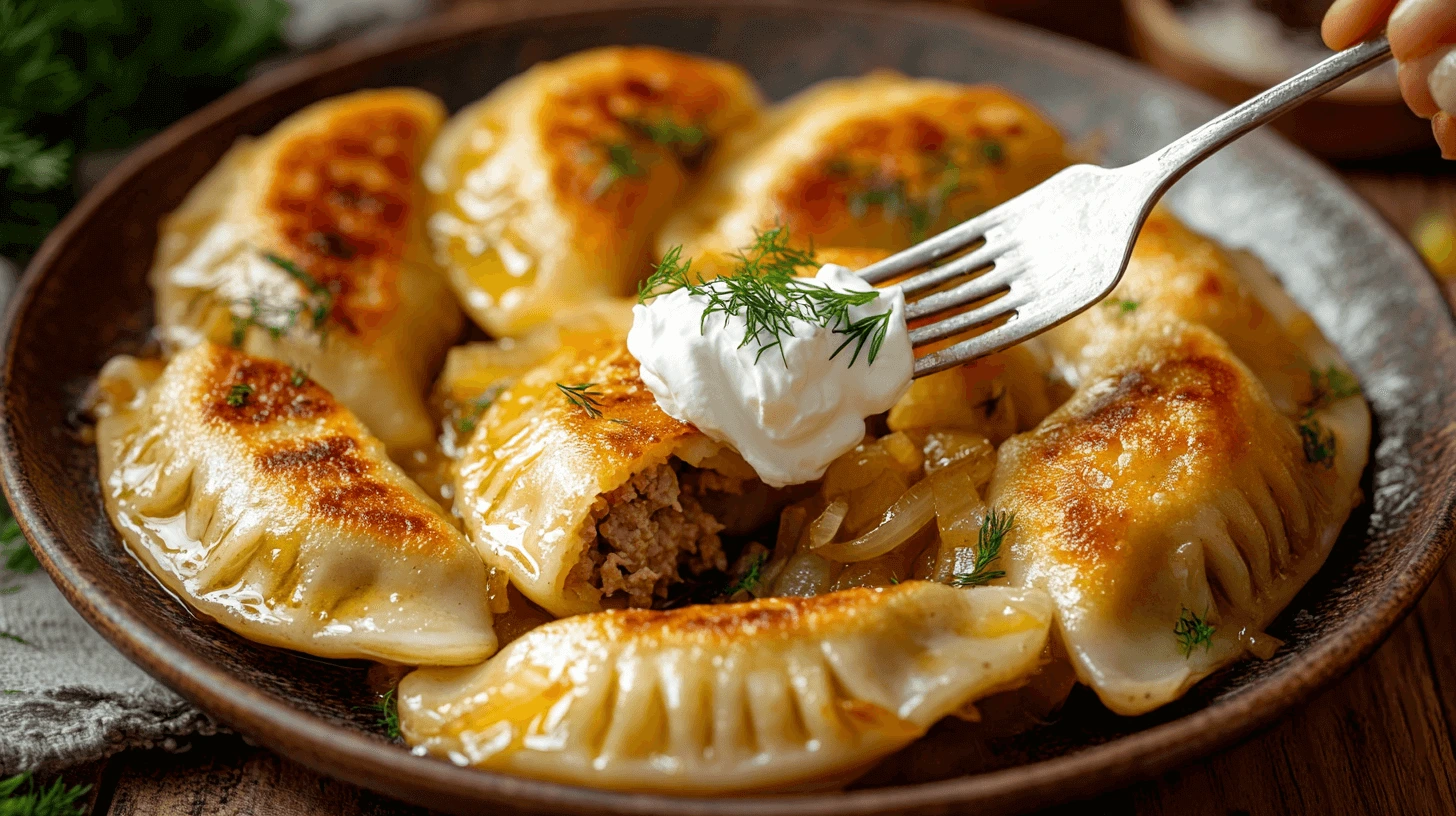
[905, 518]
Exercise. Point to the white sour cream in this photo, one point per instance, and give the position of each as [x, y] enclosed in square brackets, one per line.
[788, 414]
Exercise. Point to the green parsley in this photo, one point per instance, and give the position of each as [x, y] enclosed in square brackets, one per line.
[1192, 630]
[765, 290]
[59, 799]
[988, 548]
[621, 163]
[238, 395]
[1318, 441]
[752, 575]
[582, 396]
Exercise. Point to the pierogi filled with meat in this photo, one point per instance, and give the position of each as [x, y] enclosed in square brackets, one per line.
[682, 521]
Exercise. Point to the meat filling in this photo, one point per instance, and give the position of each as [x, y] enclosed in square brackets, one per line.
[651, 533]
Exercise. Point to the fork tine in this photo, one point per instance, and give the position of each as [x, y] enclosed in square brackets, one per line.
[927, 252]
[1004, 336]
[982, 255]
[965, 321]
[969, 292]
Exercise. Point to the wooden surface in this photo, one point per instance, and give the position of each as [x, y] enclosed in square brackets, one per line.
[1379, 742]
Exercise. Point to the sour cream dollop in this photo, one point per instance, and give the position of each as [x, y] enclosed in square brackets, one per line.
[788, 414]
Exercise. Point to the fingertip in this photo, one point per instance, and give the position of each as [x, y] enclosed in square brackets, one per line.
[1417, 26]
[1350, 21]
[1415, 87]
[1444, 128]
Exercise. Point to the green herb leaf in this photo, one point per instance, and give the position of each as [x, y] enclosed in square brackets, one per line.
[767, 293]
[582, 396]
[14, 637]
[993, 531]
[238, 395]
[752, 575]
[467, 423]
[57, 799]
[666, 132]
[1318, 441]
[621, 163]
[1330, 386]
[1192, 630]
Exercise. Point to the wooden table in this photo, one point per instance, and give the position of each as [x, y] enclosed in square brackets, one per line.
[1379, 742]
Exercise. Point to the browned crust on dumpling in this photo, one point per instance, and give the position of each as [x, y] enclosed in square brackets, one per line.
[652, 86]
[889, 179]
[1178, 419]
[341, 199]
[751, 618]
[330, 471]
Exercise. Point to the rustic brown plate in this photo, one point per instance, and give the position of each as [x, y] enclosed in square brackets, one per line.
[85, 298]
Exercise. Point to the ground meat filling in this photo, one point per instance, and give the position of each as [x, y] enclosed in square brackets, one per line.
[650, 533]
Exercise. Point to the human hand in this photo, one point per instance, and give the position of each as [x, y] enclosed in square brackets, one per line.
[1423, 38]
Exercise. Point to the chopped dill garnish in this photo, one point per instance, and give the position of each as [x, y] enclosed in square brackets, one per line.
[278, 319]
[988, 548]
[59, 799]
[1122, 305]
[621, 163]
[388, 714]
[17, 638]
[1330, 386]
[238, 395]
[582, 396]
[298, 378]
[1318, 441]
[894, 579]
[466, 423]
[766, 292]
[1192, 630]
[752, 575]
[669, 133]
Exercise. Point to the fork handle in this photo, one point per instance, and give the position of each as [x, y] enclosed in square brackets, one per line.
[1169, 164]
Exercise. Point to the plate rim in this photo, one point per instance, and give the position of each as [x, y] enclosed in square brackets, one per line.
[364, 760]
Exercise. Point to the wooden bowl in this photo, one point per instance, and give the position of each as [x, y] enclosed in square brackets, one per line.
[1353, 122]
[85, 298]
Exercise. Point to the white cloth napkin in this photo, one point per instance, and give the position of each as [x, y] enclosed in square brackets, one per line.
[66, 696]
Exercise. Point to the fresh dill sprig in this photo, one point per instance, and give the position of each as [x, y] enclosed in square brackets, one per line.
[1318, 441]
[1122, 305]
[467, 423]
[298, 377]
[279, 319]
[582, 396]
[388, 714]
[58, 799]
[621, 163]
[1192, 630]
[14, 637]
[767, 293]
[988, 548]
[238, 395]
[752, 575]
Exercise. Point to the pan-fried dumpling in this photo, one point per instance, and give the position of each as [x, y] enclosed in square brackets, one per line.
[1177, 274]
[876, 161]
[249, 492]
[308, 246]
[1171, 510]
[765, 695]
[548, 191]
[578, 486]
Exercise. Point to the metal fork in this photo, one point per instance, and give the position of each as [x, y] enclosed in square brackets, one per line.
[1061, 246]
